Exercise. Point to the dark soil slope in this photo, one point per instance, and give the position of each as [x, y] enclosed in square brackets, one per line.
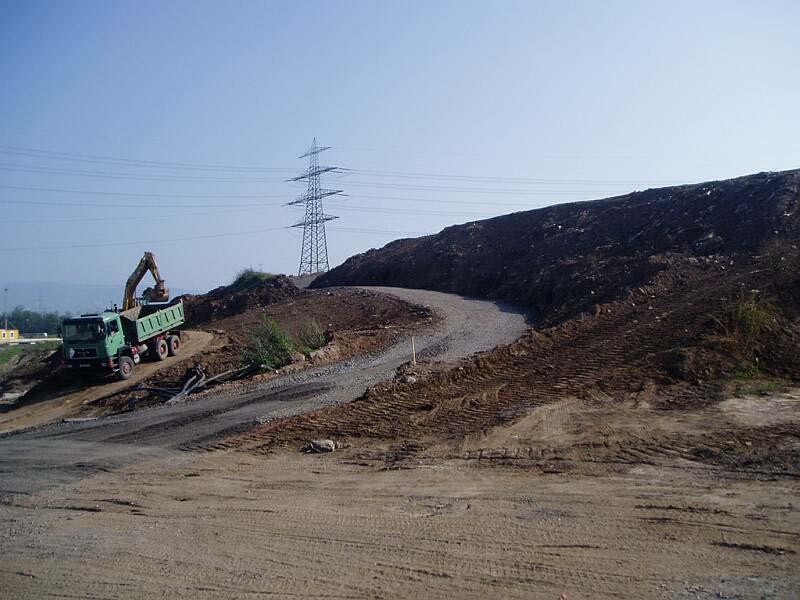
[229, 300]
[563, 260]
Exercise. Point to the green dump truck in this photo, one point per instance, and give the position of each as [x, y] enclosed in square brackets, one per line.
[117, 342]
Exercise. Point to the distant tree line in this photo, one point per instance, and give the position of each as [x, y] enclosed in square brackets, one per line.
[28, 321]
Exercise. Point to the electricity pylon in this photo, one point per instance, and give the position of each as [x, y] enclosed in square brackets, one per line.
[314, 252]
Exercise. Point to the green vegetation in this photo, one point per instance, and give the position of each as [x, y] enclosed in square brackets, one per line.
[28, 321]
[311, 336]
[753, 318]
[271, 347]
[248, 278]
[748, 386]
[7, 352]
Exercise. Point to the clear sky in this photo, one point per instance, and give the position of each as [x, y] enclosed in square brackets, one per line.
[445, 112]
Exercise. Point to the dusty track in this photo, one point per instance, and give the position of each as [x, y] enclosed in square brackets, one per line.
[55, 454]
[234, 525]
[54, 404]
[139, 517]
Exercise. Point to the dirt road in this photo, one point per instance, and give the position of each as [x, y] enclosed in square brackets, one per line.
[233, 525]
[125, 507]
[58, 404]
[66, 451]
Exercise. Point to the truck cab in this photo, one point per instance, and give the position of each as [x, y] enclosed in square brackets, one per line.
[93, 341]
[112, 341]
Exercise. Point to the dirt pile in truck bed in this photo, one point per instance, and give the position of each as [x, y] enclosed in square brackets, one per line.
[563, 260]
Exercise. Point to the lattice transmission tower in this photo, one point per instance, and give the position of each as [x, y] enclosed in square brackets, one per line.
[314, 252]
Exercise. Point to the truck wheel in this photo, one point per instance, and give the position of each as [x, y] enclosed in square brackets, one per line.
[173, 344]
[125, 367]
[161, 349]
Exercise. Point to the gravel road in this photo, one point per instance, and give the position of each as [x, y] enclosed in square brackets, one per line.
[56, 454]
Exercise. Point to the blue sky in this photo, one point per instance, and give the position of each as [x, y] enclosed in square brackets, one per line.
[518, 104]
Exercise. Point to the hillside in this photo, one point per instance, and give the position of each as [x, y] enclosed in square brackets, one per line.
[656, 306]
[562, 260]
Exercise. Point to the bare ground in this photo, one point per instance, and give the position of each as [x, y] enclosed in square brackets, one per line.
[517, 476]
[75, 397]
[221, 525]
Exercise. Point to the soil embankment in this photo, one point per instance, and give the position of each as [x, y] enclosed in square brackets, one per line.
[221, 325]
[564, 260]
[665, 300]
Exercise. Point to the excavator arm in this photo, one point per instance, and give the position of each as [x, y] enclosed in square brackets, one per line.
[159, 293]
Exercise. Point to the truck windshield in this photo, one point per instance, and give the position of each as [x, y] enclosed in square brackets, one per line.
[83, 331]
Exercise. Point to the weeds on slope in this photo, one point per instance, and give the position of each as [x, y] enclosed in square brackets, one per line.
[270, 347]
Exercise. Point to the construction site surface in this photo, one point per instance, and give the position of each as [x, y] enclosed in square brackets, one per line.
[602, 400]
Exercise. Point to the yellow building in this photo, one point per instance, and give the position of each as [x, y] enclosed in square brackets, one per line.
[8, 335]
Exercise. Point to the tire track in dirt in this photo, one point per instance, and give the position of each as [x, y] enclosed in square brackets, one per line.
[610, 357]
[65, 450]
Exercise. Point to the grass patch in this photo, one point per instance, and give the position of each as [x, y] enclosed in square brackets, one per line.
[747, 386]
[311, 337]
[747, 329]
[270, 347]
[249, 277]
[8, 352]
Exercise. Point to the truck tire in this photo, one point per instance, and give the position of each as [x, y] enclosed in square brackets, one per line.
[161, 350]
[173, 345]
[126, 367]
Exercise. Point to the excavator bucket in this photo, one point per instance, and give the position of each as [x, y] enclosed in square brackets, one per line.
[156, 294]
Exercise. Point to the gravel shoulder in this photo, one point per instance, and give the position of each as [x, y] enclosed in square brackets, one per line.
[50, 455]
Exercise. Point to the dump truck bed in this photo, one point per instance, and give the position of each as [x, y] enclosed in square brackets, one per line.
[144, 322]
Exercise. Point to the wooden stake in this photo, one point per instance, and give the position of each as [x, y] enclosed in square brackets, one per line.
[413, 352]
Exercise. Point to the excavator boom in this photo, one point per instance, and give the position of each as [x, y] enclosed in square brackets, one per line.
[159, 293]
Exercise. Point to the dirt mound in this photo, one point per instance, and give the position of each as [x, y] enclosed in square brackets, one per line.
[563, 260]
[354, 321]
[667, 346]
[229, 300]
[664, 300]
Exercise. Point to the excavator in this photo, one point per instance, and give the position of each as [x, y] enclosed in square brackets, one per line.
[159, 293]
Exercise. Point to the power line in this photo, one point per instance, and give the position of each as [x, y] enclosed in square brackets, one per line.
[136, 194]
[159, 205]
[93, 158]
[18, 168]
[140, 242]
[510, 180]
[189, 238]
[394, 186]
[471, 190]
[149, 216]
[252, 196]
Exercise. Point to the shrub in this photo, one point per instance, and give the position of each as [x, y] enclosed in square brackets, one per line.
[311, 336]
[755, 318]
[747, 329]
[249, 277]
[269, 346]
